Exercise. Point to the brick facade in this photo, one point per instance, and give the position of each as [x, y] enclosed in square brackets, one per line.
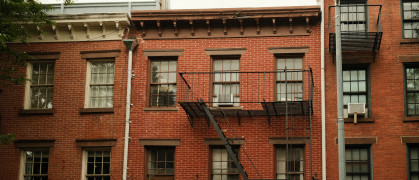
[387, 101]
[71, 129]
[67, 124]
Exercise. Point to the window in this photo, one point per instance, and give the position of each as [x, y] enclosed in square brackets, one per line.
[413, 162]
[163, 81]
[40, 88]
[100, 83]
[410, 18]
[223, 167]
[412, 89]
[160, 163]
[289, 85]
[292, 167]
[358, 162]
[355, 86]
[353, 15]
[35, 164]
[226, 85]
[97, 164]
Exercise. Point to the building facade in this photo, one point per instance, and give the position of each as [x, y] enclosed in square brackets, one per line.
[256, 70]
[380, 55]
[69, 118]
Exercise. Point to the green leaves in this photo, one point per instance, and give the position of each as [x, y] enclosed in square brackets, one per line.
[14, 15]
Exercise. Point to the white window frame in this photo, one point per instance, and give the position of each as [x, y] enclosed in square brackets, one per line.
[23, 160]
[85, 156]
[28, 90]
[87, 94]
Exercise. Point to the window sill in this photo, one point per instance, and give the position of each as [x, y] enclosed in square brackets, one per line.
[36, 111]
[359, 120]
[409, 41]
[96, 110]
[410, 119]
[160, 109]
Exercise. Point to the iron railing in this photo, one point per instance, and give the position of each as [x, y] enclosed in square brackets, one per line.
[246, 87]
[361, 27]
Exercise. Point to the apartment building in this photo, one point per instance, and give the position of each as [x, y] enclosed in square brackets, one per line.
[380, 59]
[226, 94]
[69, 118]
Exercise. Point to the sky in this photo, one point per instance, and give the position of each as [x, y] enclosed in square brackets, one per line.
[208, 4]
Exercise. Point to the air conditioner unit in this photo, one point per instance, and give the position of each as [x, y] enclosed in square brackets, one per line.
[224, 100]
[357, 109]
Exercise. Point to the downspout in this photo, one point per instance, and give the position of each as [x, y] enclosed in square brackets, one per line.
[323, 93]
[130, 44]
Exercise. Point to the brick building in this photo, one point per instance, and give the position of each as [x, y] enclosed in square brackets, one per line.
[256, 69]
[249, 66]
[380, 55]
[70, 117]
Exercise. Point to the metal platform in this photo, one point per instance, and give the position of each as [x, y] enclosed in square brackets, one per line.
[194, 110]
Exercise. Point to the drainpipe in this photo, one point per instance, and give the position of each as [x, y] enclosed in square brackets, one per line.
[130, 44]
[323, 93]
[339, 96]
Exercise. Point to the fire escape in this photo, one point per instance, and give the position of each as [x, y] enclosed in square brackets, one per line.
[286, 93]
[361, 31]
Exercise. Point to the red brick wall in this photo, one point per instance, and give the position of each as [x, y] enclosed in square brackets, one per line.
[67, 124]
[192, 156]
[387, 103]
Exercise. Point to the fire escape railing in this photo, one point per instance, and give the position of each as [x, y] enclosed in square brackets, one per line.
[361, 28]
[246, 87]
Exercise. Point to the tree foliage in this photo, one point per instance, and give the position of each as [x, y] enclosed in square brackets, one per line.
[14, 16]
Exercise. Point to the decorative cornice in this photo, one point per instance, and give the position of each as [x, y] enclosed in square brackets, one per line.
[80, 27]
[237, 22]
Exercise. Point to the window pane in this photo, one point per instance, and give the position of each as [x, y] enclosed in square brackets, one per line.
[164, 66]
[362, 99]
[414, 165]
[172, 77]
[172, 66]
[155, 66]
[218, 66]
[415, 5]
[407, 6]
[354, 87]
[226, 65]
[362, 86]
[346, 87]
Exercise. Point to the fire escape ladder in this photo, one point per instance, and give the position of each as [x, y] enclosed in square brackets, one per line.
[225, 141]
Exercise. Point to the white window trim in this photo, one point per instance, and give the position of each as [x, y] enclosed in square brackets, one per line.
[84, 160]
[28, 93]
[27, 101]
[89, 78]
[23, 162]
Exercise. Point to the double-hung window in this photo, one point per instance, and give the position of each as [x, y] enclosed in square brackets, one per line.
[358, 162]
[226, 82]
[100, 83]
[41, 85]
[413, 161]
[160, 163]
[355, 86]
[35, 164]
[163, 82]
[223, 167]
[97, 164]
[353, 15]
[412, 89]
[289, 80]
[291, 166]
[410, 18]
